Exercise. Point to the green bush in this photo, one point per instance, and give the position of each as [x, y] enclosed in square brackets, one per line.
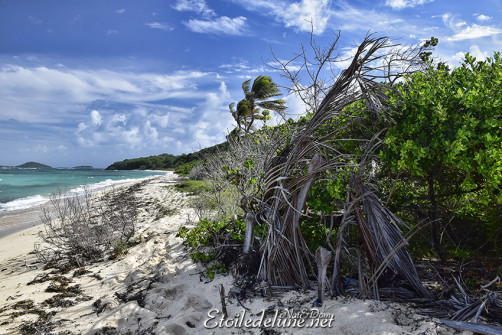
[194, 187]
[208, 232]
[204, 238]
[184, 169]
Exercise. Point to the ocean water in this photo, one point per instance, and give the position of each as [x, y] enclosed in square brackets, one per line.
[25, 188]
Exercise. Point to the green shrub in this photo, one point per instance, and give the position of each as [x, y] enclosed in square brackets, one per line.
[184, 169]
[216, 268]
[208, 232]
[120, 248]
[194, 187]
[163, 211]
[202, 257]
[206, 238]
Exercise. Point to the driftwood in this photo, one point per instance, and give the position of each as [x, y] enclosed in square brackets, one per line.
[223, 303]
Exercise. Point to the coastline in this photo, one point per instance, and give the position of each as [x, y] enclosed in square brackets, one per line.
[15, 220]
[156, 288]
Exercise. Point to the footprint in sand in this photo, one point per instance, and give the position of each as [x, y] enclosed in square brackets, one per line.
[162, 297]
[198, 303]
[172, 329]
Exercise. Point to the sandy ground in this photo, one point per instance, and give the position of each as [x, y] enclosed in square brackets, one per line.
[157, 289]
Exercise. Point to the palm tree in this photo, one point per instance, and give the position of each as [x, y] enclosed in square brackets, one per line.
[259, 96]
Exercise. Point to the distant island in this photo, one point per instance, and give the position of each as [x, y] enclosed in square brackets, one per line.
[33, 165]
[83, 167]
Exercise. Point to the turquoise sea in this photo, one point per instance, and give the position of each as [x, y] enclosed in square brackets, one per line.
[24, 188]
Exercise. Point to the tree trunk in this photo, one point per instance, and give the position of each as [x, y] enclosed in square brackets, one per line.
[323, 257]
[249, 237]
[435, 224]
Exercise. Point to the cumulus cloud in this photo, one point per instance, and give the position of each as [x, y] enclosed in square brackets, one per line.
[215, 120]
[221, 25]
[110, 128]
[474, 50]
[96, 118]
[307, 13]
[483, 18]
[143, 128]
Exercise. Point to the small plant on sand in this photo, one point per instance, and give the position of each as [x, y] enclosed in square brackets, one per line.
[211, 241]
[81, 228]
[120, 248]
[163, 211]
[214, 269]
[193, 187]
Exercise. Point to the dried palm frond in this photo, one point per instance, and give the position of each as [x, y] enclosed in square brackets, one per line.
[286, 259]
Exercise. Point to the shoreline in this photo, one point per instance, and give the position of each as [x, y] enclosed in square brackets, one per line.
[15, 220]
[156, 288]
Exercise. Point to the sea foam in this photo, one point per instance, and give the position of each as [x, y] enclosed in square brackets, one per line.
[36, 200]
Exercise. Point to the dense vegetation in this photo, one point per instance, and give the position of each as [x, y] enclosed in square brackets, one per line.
[166, 161]
[398, 159]
[372, 175]
[445, 153]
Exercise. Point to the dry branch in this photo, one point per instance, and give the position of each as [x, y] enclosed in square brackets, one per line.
[286, 259]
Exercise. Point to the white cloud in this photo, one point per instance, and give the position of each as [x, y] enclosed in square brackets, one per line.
[159, 25]
[143, 129]
[463, 31]
[120, 11]
[483, 18]
[455, 59]
[161, 119]
[96, 118]
[300, 14]
[475, 51]
[124, 114]
[41, 93]
[111, 32]
[306, 14]
[221, 25]
[400, 4]
[325, 14]
[119, 118]
[474, 31]
[215, 121]
[197, 6]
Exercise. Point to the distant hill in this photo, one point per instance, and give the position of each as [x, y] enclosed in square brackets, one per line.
[83, 167]
[166, 161]
[31, 165]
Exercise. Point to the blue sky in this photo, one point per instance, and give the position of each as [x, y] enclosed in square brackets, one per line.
[93, 82]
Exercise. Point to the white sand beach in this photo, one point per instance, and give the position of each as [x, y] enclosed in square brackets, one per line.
[155, 288]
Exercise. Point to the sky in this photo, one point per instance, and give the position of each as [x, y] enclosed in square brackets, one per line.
[93, 82]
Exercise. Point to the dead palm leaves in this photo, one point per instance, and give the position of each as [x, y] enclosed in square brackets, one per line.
[286, 259]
